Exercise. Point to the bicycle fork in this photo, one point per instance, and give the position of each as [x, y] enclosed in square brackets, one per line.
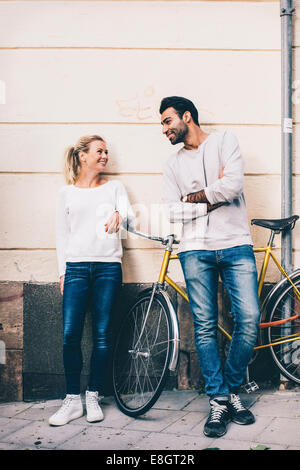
[175, 338]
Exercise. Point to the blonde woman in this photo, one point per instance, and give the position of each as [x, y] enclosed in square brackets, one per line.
[90, 210]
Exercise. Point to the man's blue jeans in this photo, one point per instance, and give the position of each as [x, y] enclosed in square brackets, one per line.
[237, 269]
[95, 284]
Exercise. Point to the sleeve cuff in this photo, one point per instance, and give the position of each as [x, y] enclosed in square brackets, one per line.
[209, 196]
[201, 209]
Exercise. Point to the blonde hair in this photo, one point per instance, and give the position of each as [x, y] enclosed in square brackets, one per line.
[71, 167]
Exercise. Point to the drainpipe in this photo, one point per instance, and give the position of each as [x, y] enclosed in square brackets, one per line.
[286, 13]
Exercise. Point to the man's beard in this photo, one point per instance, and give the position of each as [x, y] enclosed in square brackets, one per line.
[179, 134]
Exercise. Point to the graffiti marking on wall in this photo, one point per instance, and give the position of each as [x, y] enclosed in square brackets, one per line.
[141, 106]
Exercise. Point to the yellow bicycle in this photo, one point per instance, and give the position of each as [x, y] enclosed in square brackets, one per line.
[147, 344]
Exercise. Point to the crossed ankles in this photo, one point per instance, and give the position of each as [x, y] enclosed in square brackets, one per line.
[224, 410]
[239, 414]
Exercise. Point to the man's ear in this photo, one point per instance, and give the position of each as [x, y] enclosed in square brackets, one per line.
[187, 117]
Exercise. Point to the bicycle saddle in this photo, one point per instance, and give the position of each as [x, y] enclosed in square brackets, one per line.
[277, 224]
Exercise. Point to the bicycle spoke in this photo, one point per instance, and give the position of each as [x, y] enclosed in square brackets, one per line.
[286, 354]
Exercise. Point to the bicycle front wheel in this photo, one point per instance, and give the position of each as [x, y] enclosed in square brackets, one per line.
[142, 354]
[286, 353]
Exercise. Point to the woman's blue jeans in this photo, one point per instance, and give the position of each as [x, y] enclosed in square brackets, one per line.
[95, 284]
[237, 269]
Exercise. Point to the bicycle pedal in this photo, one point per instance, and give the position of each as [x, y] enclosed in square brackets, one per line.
[251, 387]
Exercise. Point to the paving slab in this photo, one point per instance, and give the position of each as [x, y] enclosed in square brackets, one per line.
[226, 444]
[9, 410]
[103, 439]
[155, 420]
[251, 432]
[113, 418]
[40, 431]
[186, 423]
[7, 446]
[199, 403]
[9, 426]
[175, 401]
[37, 413]
[47, 404]
[165, 441]
[282, 431]
[282, 405]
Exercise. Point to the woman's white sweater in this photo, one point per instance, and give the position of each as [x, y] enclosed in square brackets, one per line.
[80, 217]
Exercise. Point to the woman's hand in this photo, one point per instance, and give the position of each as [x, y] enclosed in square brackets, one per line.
[61, 284]
[113, 223]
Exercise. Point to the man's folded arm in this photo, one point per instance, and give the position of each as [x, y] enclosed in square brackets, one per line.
[230, 185]
[178, 211]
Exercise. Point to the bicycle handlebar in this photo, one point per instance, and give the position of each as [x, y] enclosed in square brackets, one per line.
[164, 241]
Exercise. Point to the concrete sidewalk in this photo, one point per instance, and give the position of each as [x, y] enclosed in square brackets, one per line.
[175, 423]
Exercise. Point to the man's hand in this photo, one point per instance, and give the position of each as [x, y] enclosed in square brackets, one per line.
[221, 174]
[199, 197]
[113, 223]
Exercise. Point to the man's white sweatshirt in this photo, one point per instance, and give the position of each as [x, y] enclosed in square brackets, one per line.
[188, 171]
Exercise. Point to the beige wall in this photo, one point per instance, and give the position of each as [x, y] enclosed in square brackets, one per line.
[79, 67]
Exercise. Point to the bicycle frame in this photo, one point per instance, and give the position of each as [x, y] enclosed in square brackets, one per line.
[268, 250]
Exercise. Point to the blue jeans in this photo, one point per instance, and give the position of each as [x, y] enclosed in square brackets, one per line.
[93, 283]
[237, 269]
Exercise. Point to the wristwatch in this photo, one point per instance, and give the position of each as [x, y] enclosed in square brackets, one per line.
[184, 199]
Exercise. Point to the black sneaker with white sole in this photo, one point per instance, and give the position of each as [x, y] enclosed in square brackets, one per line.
[219, 417]
[238, 413]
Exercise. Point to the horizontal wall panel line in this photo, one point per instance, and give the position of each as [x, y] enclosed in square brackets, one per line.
[132, 123]
[92, 123]
[146, 1]
[27, 249]
[155, 249]
[137, 173]
[119, 48]
[295, 250]
[54, 249]
[123, 173]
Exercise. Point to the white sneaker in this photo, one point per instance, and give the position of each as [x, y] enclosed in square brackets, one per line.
[93, 410]
[71, 409]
